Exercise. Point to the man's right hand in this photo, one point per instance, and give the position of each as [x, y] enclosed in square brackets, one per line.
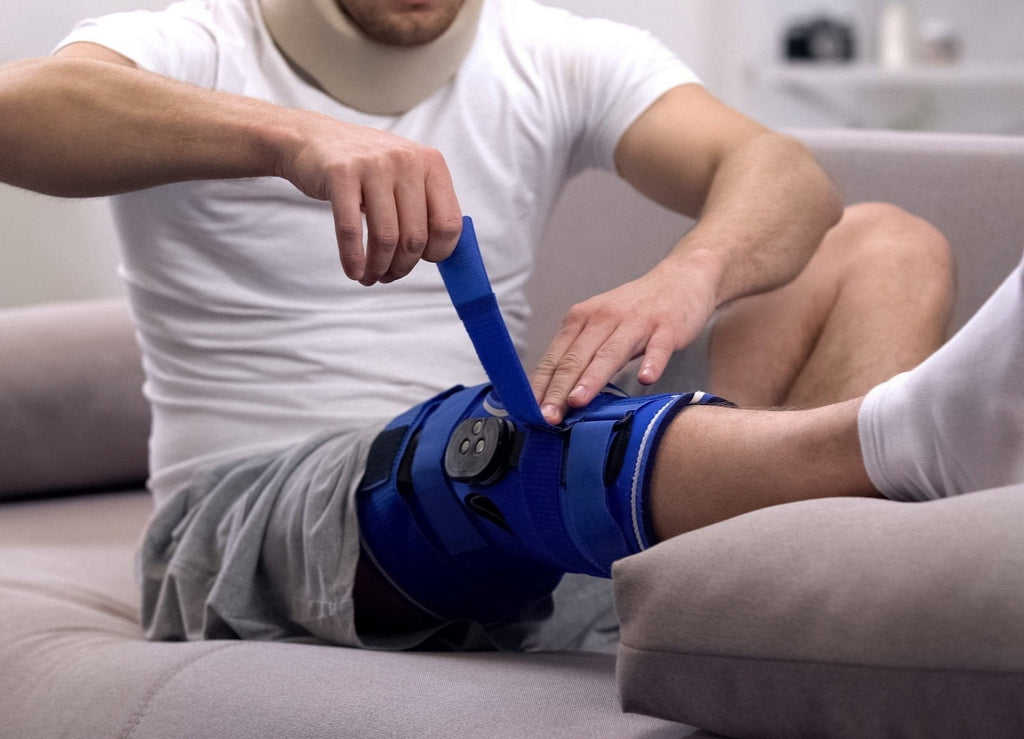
[89, 123]
[404, 190]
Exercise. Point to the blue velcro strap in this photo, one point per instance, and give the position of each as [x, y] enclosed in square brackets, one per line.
[437, 503]
[470, 290]
[590, 524]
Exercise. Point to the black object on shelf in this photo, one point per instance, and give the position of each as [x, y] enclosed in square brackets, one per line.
[820, 40]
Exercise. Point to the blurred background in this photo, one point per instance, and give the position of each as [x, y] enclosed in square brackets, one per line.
[935, 65]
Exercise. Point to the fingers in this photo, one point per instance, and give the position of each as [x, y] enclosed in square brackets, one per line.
[445, 215]
[657, 354]
[429, 218]
[403, 190]
[346, 197]
[572, 377]
[581, 360]
[653, 316]
[382, 227]
[555, 376]
[411, 213]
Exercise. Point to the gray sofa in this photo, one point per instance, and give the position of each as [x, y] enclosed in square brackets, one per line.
[858, 618]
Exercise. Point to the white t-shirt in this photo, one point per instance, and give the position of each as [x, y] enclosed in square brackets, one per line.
[252, 336]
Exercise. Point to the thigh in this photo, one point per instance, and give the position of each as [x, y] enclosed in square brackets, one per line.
[264, 547]
[874, 300]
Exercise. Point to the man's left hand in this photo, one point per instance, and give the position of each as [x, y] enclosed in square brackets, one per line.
[653, 316]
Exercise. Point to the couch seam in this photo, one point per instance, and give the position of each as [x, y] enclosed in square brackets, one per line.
[147, 701]
[821, 662]
[65, 593]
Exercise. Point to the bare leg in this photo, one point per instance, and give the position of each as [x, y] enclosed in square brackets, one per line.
[873, 301]
[951, 425]
[716, 463]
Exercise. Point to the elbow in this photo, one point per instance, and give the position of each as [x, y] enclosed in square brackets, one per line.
[824, 194]
[833, 207]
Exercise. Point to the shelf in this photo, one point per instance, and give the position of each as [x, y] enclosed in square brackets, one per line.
[865, 77]
[867, 96]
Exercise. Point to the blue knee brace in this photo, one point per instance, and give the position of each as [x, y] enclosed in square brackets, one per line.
[474, 506]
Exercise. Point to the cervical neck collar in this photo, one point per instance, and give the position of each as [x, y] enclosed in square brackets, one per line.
[319, 38]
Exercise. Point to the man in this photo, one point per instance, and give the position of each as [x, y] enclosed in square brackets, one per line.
[254, 344]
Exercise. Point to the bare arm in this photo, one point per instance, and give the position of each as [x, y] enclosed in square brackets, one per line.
[763, 206]
[88, 123]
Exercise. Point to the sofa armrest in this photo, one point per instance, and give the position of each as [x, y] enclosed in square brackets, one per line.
[72, 414]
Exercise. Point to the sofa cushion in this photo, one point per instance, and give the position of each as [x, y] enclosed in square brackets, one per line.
[73, 661]
[72, 414]
[835, 617]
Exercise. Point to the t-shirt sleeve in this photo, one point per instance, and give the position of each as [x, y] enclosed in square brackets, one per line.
[609, 74]
[180, 42]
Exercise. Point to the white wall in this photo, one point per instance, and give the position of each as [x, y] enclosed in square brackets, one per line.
[691, 28]
[53, 249]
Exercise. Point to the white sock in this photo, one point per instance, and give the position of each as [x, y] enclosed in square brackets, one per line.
[955, 424]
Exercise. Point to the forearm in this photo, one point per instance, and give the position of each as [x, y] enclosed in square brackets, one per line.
[79, 127]
[767, 209]
[763, 206]
[82, 127]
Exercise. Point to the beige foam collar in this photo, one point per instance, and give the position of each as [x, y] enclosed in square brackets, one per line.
[322, 41]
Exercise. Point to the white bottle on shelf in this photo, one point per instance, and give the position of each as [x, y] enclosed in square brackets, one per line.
[896, 36]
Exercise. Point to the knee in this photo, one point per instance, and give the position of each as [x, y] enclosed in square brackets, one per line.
[880, 238]
[886, 235]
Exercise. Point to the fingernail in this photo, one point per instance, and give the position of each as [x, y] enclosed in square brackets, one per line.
[550, 412]
[578, 392]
